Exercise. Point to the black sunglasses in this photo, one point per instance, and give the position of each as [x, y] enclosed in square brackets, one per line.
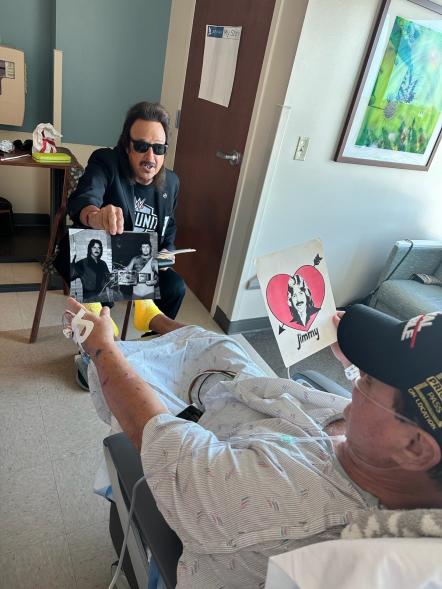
[141, 146]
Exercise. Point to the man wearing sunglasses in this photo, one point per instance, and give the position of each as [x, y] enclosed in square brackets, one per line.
[128, 188]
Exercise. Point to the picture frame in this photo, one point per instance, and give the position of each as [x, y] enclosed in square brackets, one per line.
[395, 116]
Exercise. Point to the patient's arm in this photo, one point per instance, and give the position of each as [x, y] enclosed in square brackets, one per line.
[131, 400]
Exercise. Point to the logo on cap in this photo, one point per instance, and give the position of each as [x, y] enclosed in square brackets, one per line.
[428, 398]
[415, 325]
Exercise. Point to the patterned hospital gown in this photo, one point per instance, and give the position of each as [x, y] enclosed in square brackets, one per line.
[256, 476]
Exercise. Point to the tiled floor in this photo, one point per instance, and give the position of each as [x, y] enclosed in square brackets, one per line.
[53, 529]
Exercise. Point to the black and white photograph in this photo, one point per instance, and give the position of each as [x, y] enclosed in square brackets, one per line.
[135, 265]
[91, 265]
[107, 268]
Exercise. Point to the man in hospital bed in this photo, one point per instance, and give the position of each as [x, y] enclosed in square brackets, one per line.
[265, 470]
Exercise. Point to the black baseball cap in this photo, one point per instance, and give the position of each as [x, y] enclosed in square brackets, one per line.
[406, 355]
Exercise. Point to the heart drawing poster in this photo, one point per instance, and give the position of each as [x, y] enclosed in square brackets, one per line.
[299, 300]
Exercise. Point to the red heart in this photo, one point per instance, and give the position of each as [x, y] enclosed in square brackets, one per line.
[277, 291]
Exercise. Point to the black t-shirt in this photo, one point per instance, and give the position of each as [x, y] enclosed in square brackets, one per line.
[146, 218]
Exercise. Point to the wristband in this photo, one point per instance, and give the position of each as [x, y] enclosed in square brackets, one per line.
[351, 372]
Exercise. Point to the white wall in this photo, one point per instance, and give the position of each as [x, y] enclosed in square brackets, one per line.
[358, 211]
[177, 52]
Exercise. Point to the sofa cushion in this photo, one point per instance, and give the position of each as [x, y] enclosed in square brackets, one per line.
[438, 272]
[407, 298]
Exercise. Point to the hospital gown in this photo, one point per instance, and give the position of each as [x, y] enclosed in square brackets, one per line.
[256, 476]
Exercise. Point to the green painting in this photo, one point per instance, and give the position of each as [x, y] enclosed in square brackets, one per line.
[406, 101]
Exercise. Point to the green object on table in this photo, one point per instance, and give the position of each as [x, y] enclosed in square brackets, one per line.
[52, 158]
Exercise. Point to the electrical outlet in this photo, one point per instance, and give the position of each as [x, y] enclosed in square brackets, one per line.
[301, 148]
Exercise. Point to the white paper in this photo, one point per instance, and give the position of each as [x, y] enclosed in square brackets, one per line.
[299, 300]
[219, 63]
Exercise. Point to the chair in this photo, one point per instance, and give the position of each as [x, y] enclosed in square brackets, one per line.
[6, 217]
[126, 320]
[396, 293]
[64, 178]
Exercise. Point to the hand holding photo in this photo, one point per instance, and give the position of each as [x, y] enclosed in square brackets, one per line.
[299, 300]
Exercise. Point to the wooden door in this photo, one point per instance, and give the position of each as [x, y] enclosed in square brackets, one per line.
[208, 183]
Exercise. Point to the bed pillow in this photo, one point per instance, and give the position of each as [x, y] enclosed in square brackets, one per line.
[368, 563]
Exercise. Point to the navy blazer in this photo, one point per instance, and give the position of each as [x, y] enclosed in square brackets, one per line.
[106, 182]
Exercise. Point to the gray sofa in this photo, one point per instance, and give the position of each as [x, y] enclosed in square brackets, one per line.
[397, 295]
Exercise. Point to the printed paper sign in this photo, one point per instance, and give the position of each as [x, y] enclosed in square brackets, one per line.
[219, 63]
[299, 300]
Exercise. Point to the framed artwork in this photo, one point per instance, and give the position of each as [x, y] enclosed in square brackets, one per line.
[395, 118]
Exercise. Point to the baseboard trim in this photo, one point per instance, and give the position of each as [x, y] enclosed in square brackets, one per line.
[31, 220]
[21, 259]
[240, 326]
[55, 283]
[20, 287]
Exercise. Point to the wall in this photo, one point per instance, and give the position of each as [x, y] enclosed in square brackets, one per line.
[113, 57]
[29, 26]
[358, 211]
[178, 42]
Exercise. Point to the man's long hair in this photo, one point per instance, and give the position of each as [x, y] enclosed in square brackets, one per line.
[91, 245]
[146, 111]
[299, 281]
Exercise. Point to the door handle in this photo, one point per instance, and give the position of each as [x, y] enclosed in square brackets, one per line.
[234, 158]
